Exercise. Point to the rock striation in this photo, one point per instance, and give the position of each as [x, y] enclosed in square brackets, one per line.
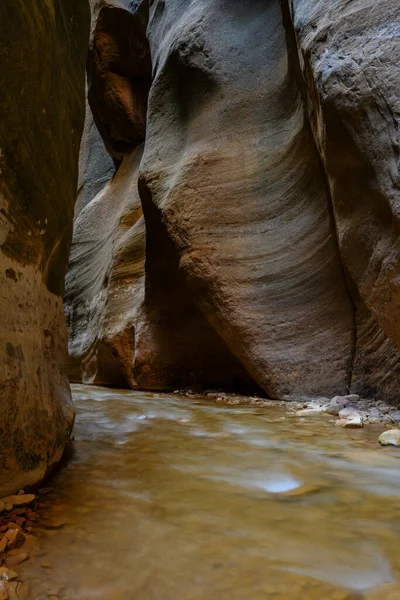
[255, 149]
[42, 56]
[96, 166]
[349, 55]
[105, 282]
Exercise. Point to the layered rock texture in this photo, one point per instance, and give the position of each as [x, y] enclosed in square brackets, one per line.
[42, 58]
[249, 236]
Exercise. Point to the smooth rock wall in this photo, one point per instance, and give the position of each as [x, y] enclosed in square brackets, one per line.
[105, 281]
[96, 166]
[42, 59]
[268, 187]
[350, 57]
[232, 176]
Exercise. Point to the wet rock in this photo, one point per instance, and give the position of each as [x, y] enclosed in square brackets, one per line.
[348, 412]
[302, 490]
[389, 591]
[18, 590]
[12, 525]
[390, 438]
[349, 418]
[7, 574]
[3, 544]
[2, 506]
[309, 412]
[13, 561]
[3, 591]
[353, 422]
[19, 500]
[395, 416]
[334, 406]
[15, 538]
[58, 523]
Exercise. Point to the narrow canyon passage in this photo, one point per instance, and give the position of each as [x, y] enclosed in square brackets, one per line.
[199, 199]
[171, 498]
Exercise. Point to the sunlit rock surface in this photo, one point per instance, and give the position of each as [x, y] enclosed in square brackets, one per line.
[42, 58]
[268, 188]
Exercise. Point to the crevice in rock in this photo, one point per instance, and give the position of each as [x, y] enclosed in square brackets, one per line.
[176, 346]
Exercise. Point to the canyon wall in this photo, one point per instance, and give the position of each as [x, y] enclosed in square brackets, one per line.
[43, 45]
[249, 236]
[350, 56]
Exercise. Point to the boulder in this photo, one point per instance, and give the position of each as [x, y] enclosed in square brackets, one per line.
[390, 438]
[353, 422]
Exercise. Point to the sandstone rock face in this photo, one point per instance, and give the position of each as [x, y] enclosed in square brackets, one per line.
[350, 56]
[42, 56]
[231, 176]
[267, 183]
[105, 282]
[95, 165]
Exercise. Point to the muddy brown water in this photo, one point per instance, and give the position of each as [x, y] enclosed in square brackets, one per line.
[167, 498]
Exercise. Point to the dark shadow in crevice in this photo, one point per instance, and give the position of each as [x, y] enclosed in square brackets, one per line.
[187, 352]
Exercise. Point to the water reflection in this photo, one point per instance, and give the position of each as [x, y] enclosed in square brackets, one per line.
[170, 499]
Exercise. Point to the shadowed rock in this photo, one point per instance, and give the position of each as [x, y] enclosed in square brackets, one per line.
[42, 57]
[268, 187]
[105, 281]
[233, 179]
[350, 58]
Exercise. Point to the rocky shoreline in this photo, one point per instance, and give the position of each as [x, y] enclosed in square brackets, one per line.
[351, 411]
[19, 516]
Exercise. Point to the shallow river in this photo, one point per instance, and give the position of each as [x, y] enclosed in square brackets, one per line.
[168, 498]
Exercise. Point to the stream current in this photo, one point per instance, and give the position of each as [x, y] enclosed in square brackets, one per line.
[170, 498]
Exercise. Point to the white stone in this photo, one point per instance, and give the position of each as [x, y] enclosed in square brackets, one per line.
[390, 438]
[353, 422]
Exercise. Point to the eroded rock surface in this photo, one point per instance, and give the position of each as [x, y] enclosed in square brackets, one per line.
[350, 56]
[42, 57]
[105, 282]
[95, 164]
[268, 187]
